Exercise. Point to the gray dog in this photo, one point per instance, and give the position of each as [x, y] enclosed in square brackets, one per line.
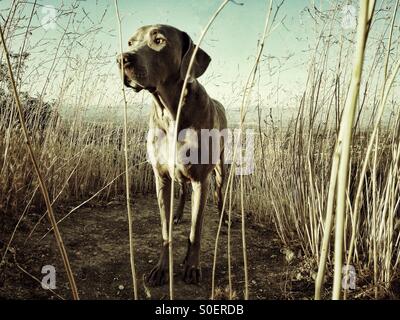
[157, 61]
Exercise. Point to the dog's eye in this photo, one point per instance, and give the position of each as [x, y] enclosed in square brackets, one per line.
[159, 40]
[129, 43]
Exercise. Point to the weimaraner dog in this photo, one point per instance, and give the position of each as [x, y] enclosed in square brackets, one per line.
[157, 61]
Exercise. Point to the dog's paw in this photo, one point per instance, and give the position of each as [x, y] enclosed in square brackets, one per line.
[225, 218]
[177, 219]
[192, 274]
[158, 276]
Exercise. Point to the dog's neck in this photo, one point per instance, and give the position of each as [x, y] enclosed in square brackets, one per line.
[167, 96]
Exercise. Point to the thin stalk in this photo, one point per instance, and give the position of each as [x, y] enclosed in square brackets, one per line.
[221, 219]
[8, 132]
[243, 111]
[229, 242]
[374, 213]
[246, 97]
[385, 93]
[344, 141]
[174, 153]
[127, 175]
[327, 226]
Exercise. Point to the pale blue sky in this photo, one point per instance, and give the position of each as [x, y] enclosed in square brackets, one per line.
[231, 42]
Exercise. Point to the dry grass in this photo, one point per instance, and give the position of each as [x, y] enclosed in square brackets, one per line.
[290, 186]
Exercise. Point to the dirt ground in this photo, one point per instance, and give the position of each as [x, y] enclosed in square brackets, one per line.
[96, 239]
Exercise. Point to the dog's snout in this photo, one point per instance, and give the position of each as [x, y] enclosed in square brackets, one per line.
[127, 57]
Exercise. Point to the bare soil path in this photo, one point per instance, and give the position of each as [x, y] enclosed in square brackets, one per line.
[97, 243]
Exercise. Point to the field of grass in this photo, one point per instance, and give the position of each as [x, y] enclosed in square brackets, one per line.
[286, 201]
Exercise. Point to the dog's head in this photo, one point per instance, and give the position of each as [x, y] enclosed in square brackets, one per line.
[158, 54]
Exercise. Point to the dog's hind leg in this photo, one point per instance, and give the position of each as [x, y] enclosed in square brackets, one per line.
[181, 205]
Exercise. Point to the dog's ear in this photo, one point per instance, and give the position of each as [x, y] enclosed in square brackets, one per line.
[201, 62]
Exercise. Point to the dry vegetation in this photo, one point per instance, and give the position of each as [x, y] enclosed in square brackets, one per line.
[82, 161]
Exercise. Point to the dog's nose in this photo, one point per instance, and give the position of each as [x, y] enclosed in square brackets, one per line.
[126, 57]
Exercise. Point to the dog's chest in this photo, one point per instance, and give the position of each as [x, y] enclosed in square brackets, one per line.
[160, 149]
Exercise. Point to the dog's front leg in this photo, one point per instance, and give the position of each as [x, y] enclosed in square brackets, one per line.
[159, 275]
[192, 272]
[181, 204]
